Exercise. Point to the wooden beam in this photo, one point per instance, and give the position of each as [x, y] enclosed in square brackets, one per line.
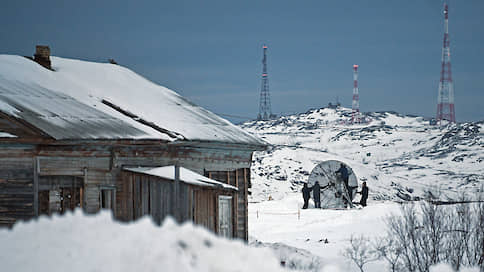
[24, 125]
[82, 200]
[62, 172]
[176, 206]
[246, 184]
[36, 187]
[73, 194]
[235, 206]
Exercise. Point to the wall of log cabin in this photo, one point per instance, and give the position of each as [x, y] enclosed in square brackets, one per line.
[154, 196]
[239, 178]
[16, 183]
[100, 165]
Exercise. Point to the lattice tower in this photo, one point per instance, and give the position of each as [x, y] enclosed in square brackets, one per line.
[445, 99]
[265, 112]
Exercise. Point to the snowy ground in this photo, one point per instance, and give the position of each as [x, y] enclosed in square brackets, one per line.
[311, 241]
[76, 242]
[277, 222]
[315, 239]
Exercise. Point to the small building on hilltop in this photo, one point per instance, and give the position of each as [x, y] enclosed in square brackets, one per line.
[98, 136]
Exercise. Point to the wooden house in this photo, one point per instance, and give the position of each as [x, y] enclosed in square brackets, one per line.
[99, 136]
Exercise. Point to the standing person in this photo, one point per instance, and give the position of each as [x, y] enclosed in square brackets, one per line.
[305, 192]
[343, 171]
[364, 194]
[317, 195]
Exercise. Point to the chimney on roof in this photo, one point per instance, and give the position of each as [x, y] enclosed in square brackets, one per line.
[42, 56]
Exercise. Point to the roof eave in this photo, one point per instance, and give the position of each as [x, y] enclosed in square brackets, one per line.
[222, 144]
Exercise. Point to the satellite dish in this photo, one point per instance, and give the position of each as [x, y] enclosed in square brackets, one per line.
[333, 193]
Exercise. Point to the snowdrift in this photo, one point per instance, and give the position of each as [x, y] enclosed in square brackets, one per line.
[76, 242]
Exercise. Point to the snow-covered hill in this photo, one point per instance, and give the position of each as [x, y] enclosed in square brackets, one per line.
[401, 157]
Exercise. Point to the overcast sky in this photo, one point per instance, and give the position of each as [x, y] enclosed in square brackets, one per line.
[211, 51]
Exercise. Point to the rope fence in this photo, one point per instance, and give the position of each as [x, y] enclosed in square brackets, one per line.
[257, 213]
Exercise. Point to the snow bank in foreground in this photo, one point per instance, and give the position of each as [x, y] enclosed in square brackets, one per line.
[294, 258]
[77, 242]
[447, 268]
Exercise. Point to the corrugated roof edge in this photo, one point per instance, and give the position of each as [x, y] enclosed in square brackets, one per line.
[198, 180]
[229, 145]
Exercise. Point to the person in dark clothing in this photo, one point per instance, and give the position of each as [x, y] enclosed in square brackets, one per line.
[343, 171]
[305, 192]
[317, 195]
[364, 194]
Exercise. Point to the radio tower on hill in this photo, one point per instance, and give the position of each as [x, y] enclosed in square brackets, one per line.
[355, 106]
[265, 112]
[445, 100]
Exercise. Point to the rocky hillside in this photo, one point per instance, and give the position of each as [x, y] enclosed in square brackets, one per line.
[401, 157]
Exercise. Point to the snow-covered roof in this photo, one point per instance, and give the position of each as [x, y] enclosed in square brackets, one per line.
[61, 116]
[187, 176]
[87, 100]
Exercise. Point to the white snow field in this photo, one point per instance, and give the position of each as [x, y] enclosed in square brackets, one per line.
[314, 239]
[77, 242]
[277, 221]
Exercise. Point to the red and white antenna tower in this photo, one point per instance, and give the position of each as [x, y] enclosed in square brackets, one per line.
[445, 100]
[355, 106]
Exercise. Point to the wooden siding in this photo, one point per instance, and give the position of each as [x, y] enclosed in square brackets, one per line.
[239, 178]
[16, 184]
[101, 165]
[205, 208]
[144, 195]
[147, 195]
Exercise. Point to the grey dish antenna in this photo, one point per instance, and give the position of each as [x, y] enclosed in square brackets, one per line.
[334, 194]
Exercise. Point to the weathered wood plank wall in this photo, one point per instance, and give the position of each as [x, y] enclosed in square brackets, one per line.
[239, 178]
[205, 208]
[155, 197]
[102, 165]
[16, 184]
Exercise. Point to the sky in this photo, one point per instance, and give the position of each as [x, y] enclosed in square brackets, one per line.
[211, 51]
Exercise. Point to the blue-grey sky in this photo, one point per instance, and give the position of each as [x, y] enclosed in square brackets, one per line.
[211, 51]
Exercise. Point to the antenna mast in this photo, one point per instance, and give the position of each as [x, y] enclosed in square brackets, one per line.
[355, 113]
[445, 99]
[265, 112]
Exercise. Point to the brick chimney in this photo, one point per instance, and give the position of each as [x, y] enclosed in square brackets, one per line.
[42, 56]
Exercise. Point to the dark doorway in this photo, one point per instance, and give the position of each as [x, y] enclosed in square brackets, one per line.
[58, 194]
